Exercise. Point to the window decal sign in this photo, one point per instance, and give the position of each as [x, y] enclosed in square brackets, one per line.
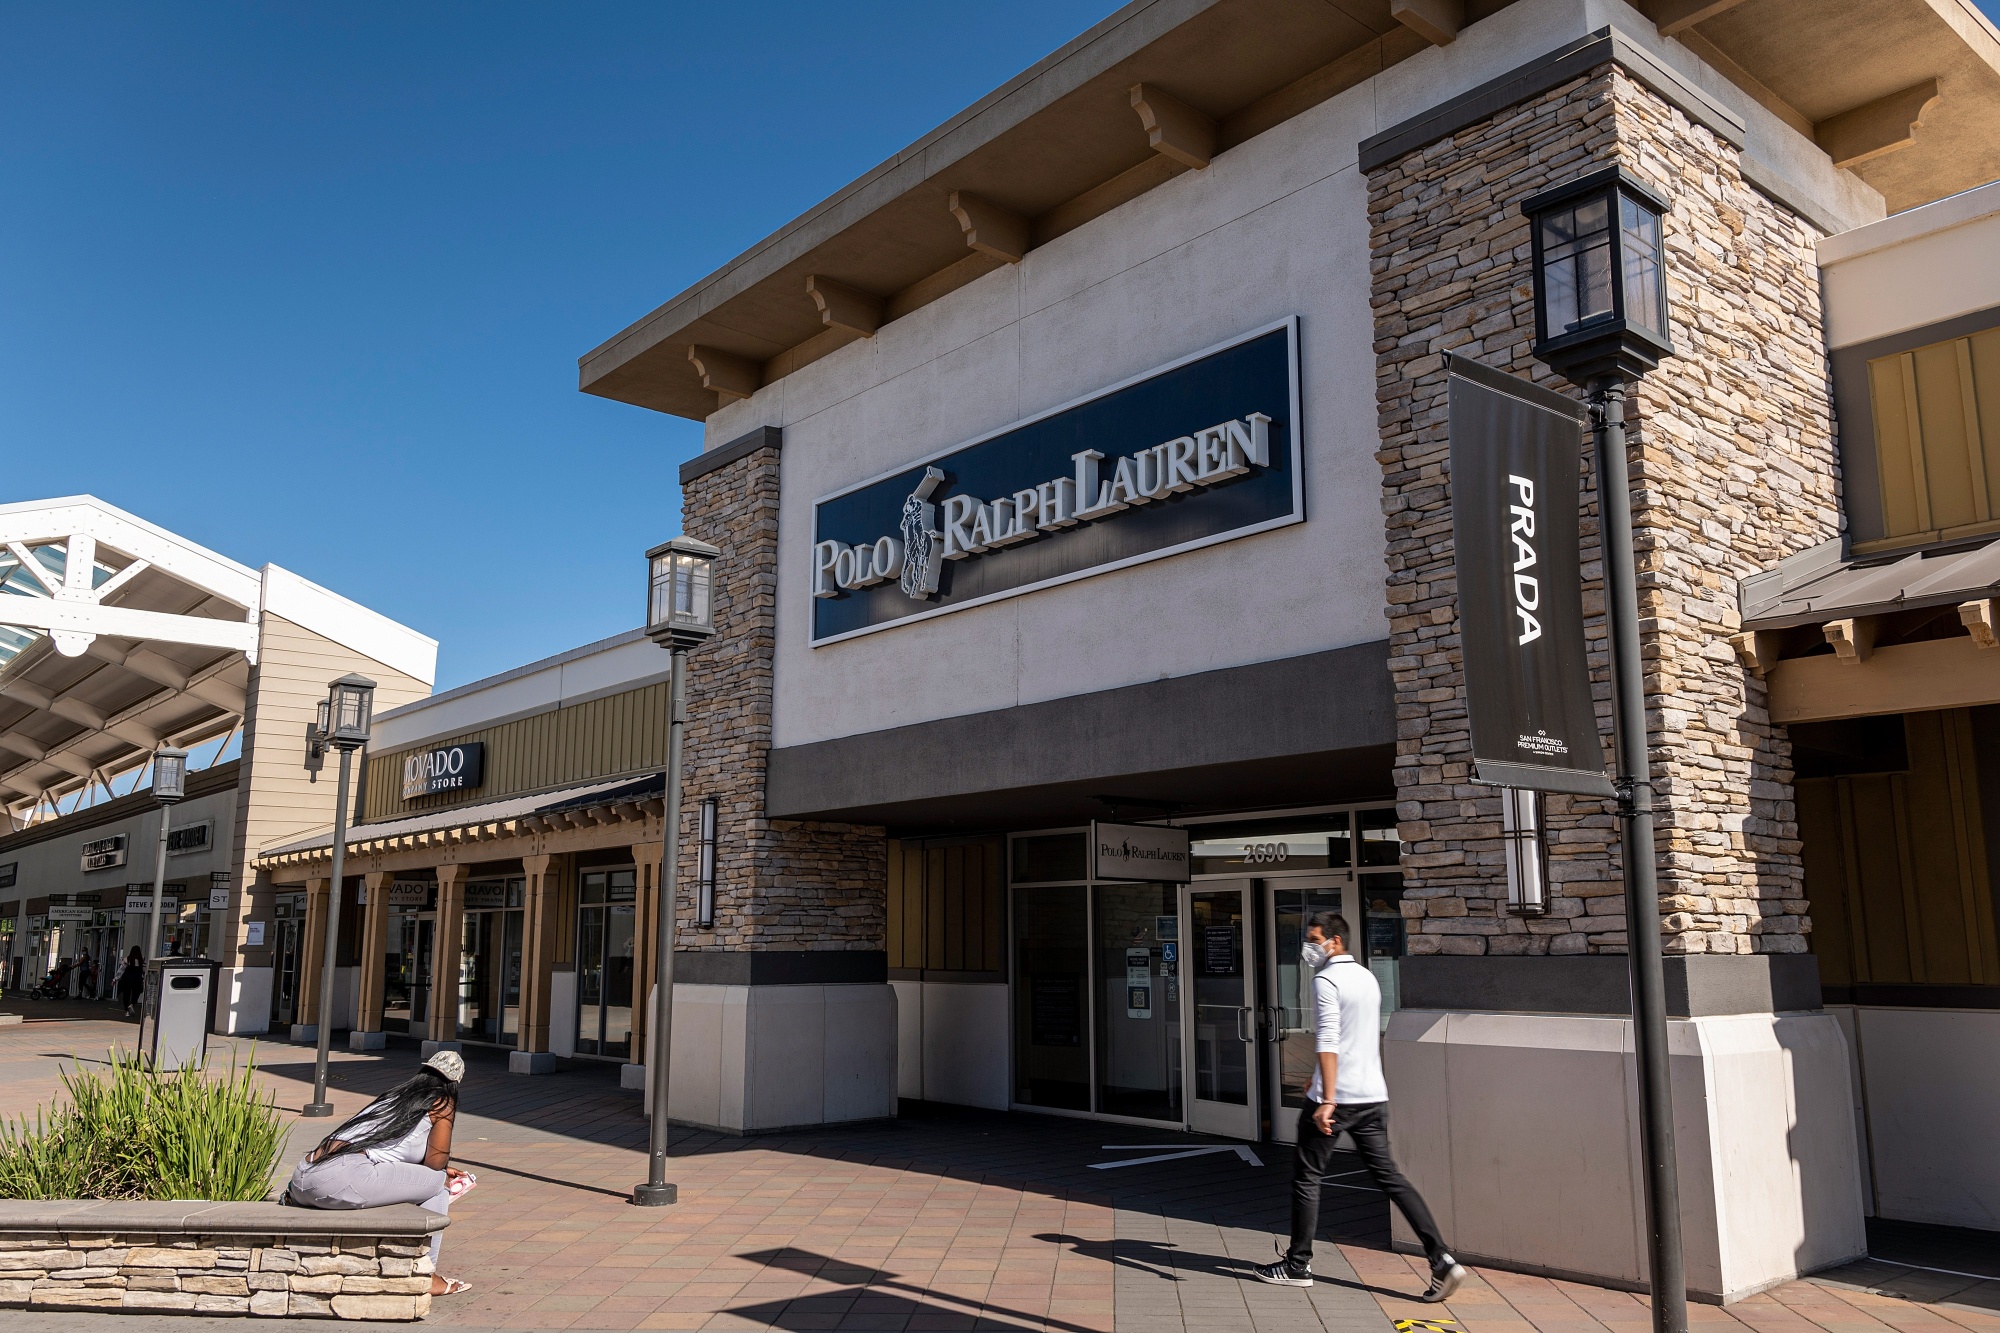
[1203, 450]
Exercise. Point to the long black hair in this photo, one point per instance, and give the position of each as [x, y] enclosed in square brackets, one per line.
[392, 1115]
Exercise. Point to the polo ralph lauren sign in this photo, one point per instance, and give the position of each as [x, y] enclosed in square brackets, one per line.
[1515, 454]
[1199, 451]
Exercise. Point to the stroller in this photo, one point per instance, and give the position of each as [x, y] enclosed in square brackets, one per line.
[55, 986]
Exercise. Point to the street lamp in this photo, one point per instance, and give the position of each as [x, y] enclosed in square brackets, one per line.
[169, 786]
[343, 722]
[680, 614]
[1601, 320]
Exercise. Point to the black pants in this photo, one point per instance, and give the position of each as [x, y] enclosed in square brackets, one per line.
[1368, 1123]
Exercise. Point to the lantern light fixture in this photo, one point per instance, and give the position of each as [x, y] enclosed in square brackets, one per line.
[680, 605]
[350, 706]
[169, 774]
[705, 866]
[1600, 276]
[1527, 852]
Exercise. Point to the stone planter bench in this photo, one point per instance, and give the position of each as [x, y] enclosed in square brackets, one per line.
[216, 1259]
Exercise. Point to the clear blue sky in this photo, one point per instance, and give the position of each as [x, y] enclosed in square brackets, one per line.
[307, 282]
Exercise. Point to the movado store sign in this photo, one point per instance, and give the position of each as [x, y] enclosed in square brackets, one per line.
[446, 768]
[1202, 450]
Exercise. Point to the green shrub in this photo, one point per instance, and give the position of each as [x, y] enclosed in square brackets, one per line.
[131, 1133]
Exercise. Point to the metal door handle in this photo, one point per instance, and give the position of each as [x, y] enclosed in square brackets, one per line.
[1246, 1013]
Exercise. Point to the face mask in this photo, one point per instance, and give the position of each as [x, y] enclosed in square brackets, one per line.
[1313, 955]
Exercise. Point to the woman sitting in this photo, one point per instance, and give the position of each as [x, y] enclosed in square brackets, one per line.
[397, 1149]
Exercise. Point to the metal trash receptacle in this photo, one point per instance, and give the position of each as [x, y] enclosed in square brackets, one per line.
[173, 1033]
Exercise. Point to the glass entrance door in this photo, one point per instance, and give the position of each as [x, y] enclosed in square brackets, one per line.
[406, 980]
[489, 984]
[1289, 904]
[1220, 973]
[1138, 1029]
[285, 982]
[604, 963]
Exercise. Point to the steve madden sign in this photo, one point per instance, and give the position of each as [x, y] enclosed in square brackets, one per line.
[1200, 451]
[447, 768]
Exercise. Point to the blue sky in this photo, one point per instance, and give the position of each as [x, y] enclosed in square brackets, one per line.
[308, 282]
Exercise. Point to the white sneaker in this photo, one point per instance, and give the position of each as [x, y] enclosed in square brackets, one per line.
[1446, 1276]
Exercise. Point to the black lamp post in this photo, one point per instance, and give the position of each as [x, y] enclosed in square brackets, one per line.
[169, 786]
[680, 614]
[1601, 320]
[344, 719]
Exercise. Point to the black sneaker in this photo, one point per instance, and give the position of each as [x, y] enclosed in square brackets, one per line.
[1446, 1275]
[1282, 1274]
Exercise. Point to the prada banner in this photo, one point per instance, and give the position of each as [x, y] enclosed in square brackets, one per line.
[1515, 451]
[1202, 450]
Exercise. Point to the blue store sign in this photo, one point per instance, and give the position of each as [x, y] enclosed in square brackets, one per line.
[1200, 451]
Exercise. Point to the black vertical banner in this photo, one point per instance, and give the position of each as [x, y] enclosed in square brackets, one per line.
[1515, 449]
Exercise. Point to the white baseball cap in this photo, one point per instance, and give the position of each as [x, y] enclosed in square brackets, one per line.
[449, 1063]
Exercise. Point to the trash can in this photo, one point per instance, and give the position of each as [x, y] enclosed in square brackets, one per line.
[174, 1030]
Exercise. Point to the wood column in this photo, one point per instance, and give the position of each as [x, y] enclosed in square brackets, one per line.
[540, 933]
[312, 951]
[445, 953]
[647, 856]
[373, 950]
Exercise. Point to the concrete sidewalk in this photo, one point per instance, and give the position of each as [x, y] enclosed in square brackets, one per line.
[945, 1219]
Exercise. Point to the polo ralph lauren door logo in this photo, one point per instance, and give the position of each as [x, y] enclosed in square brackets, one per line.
[1202, 450]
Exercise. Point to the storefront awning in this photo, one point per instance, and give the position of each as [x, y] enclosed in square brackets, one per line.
[597, 802]
[1818, 585]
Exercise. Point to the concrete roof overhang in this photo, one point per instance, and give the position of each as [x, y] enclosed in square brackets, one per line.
[118, 637]
[1066, 141]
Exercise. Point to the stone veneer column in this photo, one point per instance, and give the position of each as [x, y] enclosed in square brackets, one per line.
[1733, 468]
[1510, 1072]
[544, 874]
[783, 1012]
[373, 951]
[445, 950]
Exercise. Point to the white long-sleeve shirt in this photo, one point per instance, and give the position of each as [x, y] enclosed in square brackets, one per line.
[1346, 1019]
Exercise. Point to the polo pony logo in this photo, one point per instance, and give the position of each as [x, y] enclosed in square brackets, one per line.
[922, 544]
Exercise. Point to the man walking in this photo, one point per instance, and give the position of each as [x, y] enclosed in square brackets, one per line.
[1347, 1092]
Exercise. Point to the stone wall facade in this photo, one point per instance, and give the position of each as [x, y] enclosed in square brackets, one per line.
[780, 884]
[1733, 467]
[338, 1277]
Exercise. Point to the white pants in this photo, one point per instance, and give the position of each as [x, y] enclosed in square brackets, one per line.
[355, 1180]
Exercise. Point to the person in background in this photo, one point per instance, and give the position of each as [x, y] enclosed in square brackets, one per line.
[1348, 1093]
[131, 980]
[397, 1149]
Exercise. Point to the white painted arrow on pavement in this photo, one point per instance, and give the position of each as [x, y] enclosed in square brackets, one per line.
[1236, 1148]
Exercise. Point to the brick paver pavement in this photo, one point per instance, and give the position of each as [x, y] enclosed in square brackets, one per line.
[942, 1220]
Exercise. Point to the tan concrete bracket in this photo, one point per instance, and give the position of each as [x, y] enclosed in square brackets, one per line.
[990, 229]
[1436, 21]
[1853, 639]
[1874, 128]
[1757, 650]
[729, 375]
[1173, 128]
[844, 307]
[1978, 618]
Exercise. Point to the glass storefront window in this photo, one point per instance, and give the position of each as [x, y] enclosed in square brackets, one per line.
[605, 920]
[1264, 846]
[1383, 934]
[1050, 858]
[1380, 845]
[1138, 1000]
[1051, 999]
[1291, 910]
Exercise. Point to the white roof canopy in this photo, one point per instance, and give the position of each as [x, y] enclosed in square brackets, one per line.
[118, 637]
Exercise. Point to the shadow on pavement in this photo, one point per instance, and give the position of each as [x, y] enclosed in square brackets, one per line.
[878, 1298]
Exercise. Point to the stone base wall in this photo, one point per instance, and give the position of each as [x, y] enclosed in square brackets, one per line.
[323, 1277]
[1733, 467]
[780, 884]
